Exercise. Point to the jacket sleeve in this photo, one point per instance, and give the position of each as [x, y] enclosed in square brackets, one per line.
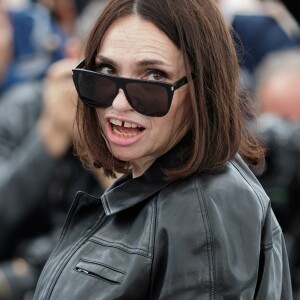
[274, 280]
[24, 178]
[19, 110]
[25, 167]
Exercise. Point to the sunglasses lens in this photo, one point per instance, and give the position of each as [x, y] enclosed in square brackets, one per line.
[148, 99]
[96, 91]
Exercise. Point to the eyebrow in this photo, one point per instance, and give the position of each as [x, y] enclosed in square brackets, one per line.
[142, 63]
[151, 62]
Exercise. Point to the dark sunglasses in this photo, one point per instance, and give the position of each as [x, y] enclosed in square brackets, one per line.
[149, 98]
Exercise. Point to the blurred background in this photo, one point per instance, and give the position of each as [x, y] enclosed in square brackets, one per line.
[41, 41]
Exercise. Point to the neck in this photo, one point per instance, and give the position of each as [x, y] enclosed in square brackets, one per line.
[140, 167]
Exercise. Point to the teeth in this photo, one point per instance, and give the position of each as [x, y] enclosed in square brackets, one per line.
[125, 124]
[126, 134]
[116, 122]
[130, 125]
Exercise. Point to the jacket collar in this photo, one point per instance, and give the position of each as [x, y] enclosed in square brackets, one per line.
[127, 191]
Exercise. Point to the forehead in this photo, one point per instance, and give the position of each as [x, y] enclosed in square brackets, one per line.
[136, 37]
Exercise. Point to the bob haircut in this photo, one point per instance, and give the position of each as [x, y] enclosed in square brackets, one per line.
[220, 112]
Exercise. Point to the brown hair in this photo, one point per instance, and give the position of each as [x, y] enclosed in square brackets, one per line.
[220, 128]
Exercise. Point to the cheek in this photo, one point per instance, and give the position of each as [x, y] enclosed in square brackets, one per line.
[176, 123]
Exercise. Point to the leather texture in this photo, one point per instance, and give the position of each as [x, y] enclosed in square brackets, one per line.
[209, 236]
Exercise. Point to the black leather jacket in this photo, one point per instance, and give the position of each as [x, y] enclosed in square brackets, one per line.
[210, 236]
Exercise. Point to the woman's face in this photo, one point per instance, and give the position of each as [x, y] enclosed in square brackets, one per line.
[135, 48]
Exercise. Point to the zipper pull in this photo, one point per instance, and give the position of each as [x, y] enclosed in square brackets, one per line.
[82, 271]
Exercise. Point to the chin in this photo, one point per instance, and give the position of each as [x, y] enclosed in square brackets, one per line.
[124, 156]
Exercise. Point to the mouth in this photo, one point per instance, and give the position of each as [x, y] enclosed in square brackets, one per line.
[125, 129]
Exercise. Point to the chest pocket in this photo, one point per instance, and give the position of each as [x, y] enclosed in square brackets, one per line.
[115, 261]
[100, 271]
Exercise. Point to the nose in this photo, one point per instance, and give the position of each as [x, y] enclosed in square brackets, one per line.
[120, 103]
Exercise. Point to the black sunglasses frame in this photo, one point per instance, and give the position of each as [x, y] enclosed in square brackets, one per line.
[121, 83]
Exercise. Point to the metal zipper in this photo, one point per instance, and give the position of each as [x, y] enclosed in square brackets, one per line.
[82, 271]
[86, 272]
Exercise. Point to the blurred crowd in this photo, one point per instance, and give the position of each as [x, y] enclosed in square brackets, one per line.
[41, 41]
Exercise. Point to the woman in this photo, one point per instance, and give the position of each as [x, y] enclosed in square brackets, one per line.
[188, 220]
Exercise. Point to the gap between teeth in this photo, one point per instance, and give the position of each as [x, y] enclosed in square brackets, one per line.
[124, 124]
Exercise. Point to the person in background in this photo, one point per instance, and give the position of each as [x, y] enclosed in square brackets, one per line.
[278, 102]
[64, 12]
[277, 86]
[159, 101]
[284, 16]
[39, 173]
[37, 41]
[257, 33]
[37, 184]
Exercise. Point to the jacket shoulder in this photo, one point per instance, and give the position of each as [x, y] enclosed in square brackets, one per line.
[215, 223]
[234, 186]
